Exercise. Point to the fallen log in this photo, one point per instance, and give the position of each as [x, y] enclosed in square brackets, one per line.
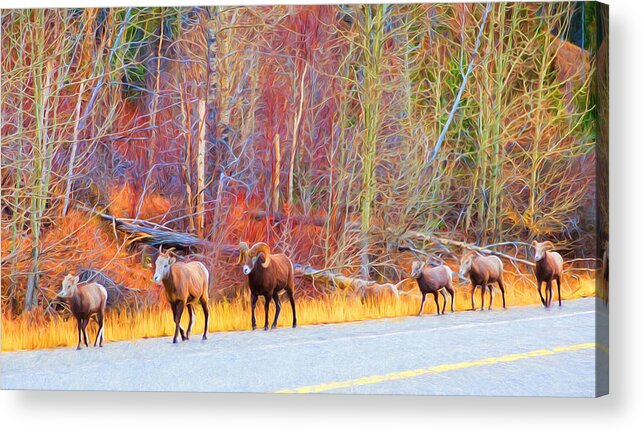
[337, 281]
[155, 235]
[464, 245]
[345, 283]
[150, 233]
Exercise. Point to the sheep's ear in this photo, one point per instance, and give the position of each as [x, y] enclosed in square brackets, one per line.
[172, 260]
[76, 279]
[534, 243]
[549, 245]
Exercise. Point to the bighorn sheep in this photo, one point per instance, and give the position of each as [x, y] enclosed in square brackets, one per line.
[483, 270]
[376, 291]
[85, 300]
[434, 281]
[185, 284]
[548, 267]
[268, 274]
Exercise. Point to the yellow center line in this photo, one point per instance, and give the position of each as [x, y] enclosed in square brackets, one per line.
[398, 375]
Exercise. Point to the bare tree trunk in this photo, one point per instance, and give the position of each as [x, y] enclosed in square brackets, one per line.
[17, 219]
[213, 79]
[74, 148]
[153, 114]
[295, 135]
[40, 181]
[187, 164]
[276, 175]
[374, 18]
[200, 169]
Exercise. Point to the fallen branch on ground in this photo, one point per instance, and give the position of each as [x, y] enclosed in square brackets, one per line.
[464, 245]
[150, 233]
[342, 282]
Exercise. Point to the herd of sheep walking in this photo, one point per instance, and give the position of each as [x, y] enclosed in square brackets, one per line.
[186, 285]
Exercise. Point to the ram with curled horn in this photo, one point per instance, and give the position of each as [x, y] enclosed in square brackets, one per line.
[268, 274]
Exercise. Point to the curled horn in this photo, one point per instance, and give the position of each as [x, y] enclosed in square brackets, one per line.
[243, 249]
[261, 247]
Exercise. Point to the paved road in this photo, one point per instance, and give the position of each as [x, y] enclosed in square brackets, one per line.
[519, 351]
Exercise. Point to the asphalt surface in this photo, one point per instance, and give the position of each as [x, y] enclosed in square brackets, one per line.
[521, 351]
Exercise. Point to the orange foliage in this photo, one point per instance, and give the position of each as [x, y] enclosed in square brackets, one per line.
[124, 201]
[78, 241]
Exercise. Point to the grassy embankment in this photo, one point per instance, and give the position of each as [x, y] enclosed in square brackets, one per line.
[25, 333]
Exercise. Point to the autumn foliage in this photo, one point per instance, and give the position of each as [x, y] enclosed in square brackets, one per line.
[312, 128]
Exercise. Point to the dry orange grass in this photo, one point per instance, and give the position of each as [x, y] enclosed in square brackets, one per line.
[23, 334]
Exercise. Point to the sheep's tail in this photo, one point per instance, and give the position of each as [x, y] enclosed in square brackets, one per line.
[208, 274]
[450, 271]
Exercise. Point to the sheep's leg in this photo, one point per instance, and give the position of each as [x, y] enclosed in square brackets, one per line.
[291, 295]
[175, 310]
[483, 291]
[445, 298]
[423, 300]
[178, 312]
[192, 317]
[472, 296]
[277, 304]
[500, 283]
[549, 292]
[451, 292]
[267, 309]
[206, 313]
[539, 290]
[99, 334]
[79, 334]
[435, 294]
[85, 322]
[549, 287]
[172, 305]
[254, 299]
[491, 292]
[102, 329]
[559, 291]
[181, 308]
